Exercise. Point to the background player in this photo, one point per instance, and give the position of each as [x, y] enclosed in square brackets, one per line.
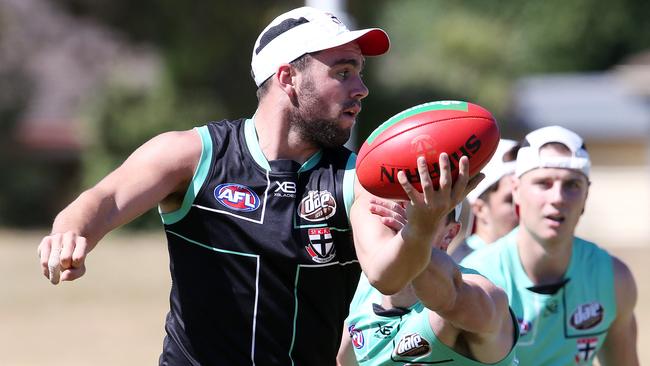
[573, 300]
[448, 314]
[492, 213]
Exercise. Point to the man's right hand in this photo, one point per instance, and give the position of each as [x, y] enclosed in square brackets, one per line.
[63, 256]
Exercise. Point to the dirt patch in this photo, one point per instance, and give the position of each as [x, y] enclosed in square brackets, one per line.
[115, 314]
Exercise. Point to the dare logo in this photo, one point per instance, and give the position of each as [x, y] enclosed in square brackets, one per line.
[317, 206]
[587, 316]
[412, 345]
[237, 197]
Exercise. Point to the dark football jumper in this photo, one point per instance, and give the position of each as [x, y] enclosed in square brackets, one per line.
[262, 261]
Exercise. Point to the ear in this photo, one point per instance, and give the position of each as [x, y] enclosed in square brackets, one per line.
[515, 195]
[585, 203]
[452, 230]
[515, 190]
[478, 208]
[287, 80]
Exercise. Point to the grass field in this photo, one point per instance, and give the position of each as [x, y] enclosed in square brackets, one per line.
[115, 314]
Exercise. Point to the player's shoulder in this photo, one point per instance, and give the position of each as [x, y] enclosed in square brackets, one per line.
[590, 251]
[492, 252]
[623, 276]
[186, 142]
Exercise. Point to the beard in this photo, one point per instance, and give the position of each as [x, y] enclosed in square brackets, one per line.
[309, 120]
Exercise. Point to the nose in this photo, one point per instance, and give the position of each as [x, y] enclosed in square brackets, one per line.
[556, 193]
[360, 90]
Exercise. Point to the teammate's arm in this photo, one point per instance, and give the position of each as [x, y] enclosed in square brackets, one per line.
[470, 302]
[157, 172]
[389, 260]
[619, 347]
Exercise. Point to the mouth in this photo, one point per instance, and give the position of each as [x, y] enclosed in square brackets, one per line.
[557, 218]
[353, 110]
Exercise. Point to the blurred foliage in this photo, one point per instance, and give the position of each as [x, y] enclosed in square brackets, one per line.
[441, 49]
[475, 50]
[125, 115]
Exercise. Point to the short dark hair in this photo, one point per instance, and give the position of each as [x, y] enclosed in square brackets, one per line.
[299, 64]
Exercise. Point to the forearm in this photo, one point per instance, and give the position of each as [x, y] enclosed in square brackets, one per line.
[398, 260]
[91, 215]
[439, 283]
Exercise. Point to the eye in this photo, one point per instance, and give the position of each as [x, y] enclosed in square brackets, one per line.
[574, 184]
[344, 74]
[543, 184]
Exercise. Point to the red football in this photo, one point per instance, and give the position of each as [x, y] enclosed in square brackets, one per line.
[457, 128]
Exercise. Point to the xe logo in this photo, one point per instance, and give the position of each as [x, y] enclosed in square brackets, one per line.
[383, 331]
[285, 189]
[237, 197]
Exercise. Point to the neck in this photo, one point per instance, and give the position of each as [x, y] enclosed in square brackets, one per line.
[545, 262]
[402, 299]
[486, 235]
[276, 138]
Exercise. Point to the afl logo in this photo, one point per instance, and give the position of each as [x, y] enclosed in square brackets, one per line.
[424, 145]
[237, 197]
[357, 337]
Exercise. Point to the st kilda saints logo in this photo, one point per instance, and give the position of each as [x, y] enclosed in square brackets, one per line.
[317, 206]
[424, 146]
[321, 246]
[586, 350]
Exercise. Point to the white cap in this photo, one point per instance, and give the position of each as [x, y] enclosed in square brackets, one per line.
[306, 30]
[495, 169]
[457, 211]
[528, 157]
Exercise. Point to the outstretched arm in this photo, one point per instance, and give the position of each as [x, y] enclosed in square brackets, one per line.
[391, 260]
[471, 304]
[157, 172]
[620, 345]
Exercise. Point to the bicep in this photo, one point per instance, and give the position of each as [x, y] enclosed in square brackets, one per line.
[368, 230]
[160, 167]
[619, 347]
[480, 308]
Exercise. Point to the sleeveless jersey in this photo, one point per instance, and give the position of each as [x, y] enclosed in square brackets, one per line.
[400, 336]
[467, 246]
[564, 328]
[261, 256]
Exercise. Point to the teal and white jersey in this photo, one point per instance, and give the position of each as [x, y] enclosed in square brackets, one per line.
[399, 336]
[567, 327]
[467, 246]
[475, 242]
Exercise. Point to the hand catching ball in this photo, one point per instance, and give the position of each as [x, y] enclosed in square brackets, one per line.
[455, 127]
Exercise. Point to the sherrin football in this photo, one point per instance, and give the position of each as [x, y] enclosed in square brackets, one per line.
[455, 127]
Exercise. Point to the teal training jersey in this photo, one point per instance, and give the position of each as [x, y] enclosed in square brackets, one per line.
[475, 242]
[467, 246]
[567, 327]
[399, 336]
